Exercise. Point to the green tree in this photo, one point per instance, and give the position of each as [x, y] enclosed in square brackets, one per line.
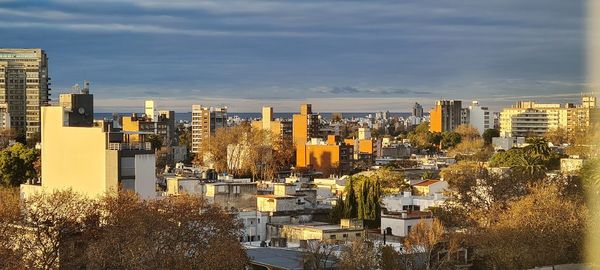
[155, 141]
[537, 147]
[17, 164]
[351, 203]
[488, 134]
[450, 139]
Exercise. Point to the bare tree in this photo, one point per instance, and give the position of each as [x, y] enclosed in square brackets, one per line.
[359, 255]
[319, 254]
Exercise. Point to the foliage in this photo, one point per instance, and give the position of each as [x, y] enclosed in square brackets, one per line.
[243, 151]
[155, 141]
[542, 228]
[17, 164]
[391, 181]
[511, 158]
[557, 136]
[6, 135]
[319, 255]
[467, 132]
[359, 255]
[119, 231]
[488, 134]
[450, 139]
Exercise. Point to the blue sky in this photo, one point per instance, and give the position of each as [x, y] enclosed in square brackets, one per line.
[338, 55]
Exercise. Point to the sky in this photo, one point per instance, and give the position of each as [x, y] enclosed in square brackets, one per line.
[349, 56]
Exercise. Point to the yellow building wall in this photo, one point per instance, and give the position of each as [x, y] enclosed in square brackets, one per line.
[133, 126]
[75, 157]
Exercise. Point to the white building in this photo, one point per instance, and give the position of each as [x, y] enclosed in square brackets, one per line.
[407, 202]
[400, 223]
[480, 117]
[507, 143]
[255, 225]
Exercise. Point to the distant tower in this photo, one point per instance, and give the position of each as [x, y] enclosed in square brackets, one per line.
[149, 109]
[417, 110]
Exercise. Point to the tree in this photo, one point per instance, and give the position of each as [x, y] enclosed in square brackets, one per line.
[359, 255]
[155, 141]
[488, 134]
[557, 136]
[182, 232]
[351, 203]
[511, 158]
[422, 241]
[467, 132]
[6, 135]
[542, 228]
[450, 139]
[391, 181]
[17, 164]
[319, 254]
[538, 147]
[10, 211]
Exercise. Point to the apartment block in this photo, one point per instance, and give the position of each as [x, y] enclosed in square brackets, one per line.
[92, 158]
[445, 116]
[305, 125]
[480, 117]
[527, 118]
[417, 110]
[162, 123]
[205, 121]
[24, 87]
[329, 157]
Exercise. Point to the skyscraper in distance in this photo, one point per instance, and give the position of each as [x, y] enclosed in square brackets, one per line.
[24, 87]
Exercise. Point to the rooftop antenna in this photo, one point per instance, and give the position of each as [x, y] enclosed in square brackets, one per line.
[86, 87]
[76, 88]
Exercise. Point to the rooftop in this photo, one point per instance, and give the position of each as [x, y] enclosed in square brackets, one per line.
[427, 183]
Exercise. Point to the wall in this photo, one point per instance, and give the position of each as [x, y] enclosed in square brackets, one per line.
[75, 157]
[145, 179]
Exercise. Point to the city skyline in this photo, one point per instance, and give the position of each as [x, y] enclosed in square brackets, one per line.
[374, 56]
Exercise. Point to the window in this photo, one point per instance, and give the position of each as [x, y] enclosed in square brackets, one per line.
[332, 236]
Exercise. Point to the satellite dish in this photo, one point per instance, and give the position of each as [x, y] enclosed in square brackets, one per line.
[81, 110]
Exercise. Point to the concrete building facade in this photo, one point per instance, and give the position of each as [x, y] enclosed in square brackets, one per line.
[205, 121]
[445, 116]
[24, 87]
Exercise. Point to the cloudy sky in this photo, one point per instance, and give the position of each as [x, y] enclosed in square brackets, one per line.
[339, 55]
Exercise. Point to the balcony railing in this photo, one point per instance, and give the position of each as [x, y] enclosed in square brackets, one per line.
[130, 146]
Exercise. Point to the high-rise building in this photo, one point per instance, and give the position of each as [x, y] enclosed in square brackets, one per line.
[4, 117]
[305, 124]
[205, 121]
[24, 87]
[480, 117]
[526, 118]
[445, 116]
[417, 110]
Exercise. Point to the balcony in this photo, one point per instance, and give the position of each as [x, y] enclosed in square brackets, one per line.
[129, 146]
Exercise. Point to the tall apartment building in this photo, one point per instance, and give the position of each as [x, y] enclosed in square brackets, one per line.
[87, 156]
[480, 117]
[280, 128]
[417, 110]
[445, 116]
[305, 125]
[205, 121]
[24, 87]
[526, 118]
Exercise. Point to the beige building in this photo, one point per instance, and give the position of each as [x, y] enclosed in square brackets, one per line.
[527, 118]
[347, 230]
[280, 128]
[91, 159]
[24, 87]
[205, 121]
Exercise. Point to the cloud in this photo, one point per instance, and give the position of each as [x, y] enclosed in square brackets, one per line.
[369, 91]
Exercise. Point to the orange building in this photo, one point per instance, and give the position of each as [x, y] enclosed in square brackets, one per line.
[329, 157]
[445, 116]
[305, 125]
